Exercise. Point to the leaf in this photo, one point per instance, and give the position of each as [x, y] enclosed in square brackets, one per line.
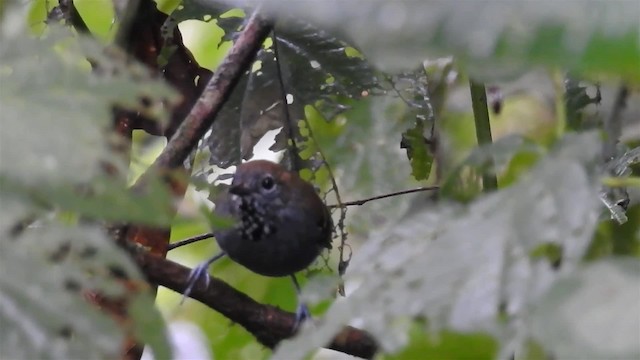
[576, 100]
[371, 133]
[48, 97]
[414, 89]
[446, 345]
[494, 38]
[149, 326]
[418, 153]
[53, 150]
[315, 68]
[592, 313]
[103, 199]
[463, 268]
[54, 143]
[43, 309]
[494, 158]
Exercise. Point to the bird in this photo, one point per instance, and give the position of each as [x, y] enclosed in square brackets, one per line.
[281, 225]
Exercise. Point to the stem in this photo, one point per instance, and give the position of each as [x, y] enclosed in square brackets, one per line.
[483, 127]
[561, 104]
[189, 241]
[613, 125]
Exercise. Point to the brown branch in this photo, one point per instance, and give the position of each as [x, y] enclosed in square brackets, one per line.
[72, 17]
[364, 201]
[268, 324]
[215, 93]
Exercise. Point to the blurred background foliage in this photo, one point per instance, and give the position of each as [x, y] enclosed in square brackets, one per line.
[416, 128]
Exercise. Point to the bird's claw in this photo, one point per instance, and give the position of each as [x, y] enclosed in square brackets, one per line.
[302, 314]
[195, 275]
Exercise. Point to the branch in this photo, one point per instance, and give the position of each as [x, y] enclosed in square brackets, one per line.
[190, 240]
[215, 94]
[72, 16]
[268, 324]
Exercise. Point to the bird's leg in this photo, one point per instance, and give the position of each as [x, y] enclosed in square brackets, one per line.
[189, 241]
[198, 272]
[302, 312]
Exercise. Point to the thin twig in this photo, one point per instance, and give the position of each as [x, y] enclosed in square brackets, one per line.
[364, 201]
[189, 241]
[205, 236]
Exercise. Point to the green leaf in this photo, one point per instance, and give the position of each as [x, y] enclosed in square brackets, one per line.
[446, 345]
[149, 326]
[103, 199]
[576, 100]
[494, 38]
[56, 121]
[371, 133]
[315, 68]
[495, 158]
[467, 268]
[418, 151]
[592, 313]
[613, 238]
[53, 106]
[53, 151]
[43, 311]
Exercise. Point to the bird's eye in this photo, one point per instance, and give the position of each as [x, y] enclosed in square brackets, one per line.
[268, 183]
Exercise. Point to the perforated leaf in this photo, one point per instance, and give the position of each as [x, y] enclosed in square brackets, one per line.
[316, 69]
[43, 311]
[56, 115]
[53, 149]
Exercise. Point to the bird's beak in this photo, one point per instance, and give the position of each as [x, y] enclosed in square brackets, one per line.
[239, 189]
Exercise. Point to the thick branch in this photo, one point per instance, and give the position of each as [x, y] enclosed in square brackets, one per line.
[215, 93]
[268, 324]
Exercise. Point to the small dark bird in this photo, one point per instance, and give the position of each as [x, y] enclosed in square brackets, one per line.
[281, 227]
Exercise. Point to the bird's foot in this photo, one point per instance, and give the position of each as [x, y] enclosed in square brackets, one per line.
[195, 275]
[302, 314]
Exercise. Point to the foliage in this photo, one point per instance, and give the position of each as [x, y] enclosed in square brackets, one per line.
[53, 150]
[535, 269]
[497, 38]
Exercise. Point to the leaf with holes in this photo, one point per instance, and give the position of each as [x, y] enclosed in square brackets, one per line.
[315, 68]
[44, 310]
